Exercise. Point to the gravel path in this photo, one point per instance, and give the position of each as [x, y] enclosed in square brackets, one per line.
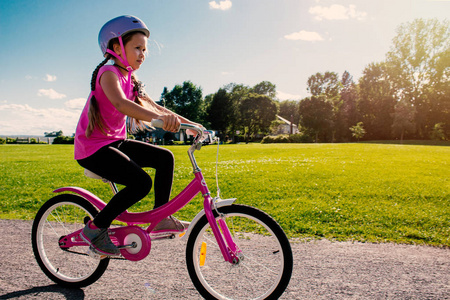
[322, 270]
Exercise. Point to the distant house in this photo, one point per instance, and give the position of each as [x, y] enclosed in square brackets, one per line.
[286, 127]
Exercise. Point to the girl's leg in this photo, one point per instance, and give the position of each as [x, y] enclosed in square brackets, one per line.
[122, 163]
[147, 155]
[158, 158]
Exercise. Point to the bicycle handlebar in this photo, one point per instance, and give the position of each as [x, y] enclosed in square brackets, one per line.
[160, 124]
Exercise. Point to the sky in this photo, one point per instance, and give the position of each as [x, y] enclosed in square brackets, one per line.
[49, 49]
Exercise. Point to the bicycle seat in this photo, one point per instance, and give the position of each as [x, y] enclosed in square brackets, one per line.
[91, 174]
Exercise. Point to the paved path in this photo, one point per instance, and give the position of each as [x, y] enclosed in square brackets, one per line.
[322, 270]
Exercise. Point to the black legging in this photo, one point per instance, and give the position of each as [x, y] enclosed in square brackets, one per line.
[122, 162]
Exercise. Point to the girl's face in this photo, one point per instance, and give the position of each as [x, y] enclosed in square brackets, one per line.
[135, 50]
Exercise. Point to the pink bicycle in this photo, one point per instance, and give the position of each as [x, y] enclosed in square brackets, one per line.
[232, 252]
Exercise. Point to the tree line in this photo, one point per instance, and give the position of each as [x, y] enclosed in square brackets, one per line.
[407, 96]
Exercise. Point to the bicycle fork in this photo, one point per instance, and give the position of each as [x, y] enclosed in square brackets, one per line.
[223, 236]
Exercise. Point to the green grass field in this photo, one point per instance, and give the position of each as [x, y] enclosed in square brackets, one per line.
[362, 192]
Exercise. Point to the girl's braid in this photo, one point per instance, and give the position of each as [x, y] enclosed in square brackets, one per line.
[94, 116]
[94, 74]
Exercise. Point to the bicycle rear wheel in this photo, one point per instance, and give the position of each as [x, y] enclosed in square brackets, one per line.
[266, 265]
[71, 267]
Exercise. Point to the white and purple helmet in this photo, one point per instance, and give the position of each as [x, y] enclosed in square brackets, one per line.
[117, 28]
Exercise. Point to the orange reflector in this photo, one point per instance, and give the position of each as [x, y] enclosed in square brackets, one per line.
[203, 254]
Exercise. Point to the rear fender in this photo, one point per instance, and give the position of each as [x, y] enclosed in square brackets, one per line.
[96, 201]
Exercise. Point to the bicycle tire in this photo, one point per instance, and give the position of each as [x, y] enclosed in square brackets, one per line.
[266, 269]
[59, 216]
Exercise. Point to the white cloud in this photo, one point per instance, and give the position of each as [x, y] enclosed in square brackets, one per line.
[337, 12]
[303, 35]
[22, 119]
[76, 104]
[50, 78]
[287, 96]
[50, 93]
[222, 5]
[224, 73]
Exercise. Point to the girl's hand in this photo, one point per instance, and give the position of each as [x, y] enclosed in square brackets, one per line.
[171, 122]
[193, 132]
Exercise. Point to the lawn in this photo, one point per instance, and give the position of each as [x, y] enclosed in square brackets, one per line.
[363, 192]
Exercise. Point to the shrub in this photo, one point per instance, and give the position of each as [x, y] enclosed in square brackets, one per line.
[2, 141]
[63, 140]
[301, 138]
[11, 140]
[274, 139]
[283, 139]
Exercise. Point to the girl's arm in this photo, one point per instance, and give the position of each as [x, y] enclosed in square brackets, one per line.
[163, 110]
[112, 89]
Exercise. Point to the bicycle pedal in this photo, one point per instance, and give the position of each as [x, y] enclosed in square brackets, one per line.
[132, 245]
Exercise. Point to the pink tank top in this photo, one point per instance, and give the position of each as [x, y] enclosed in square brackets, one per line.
[114, 121]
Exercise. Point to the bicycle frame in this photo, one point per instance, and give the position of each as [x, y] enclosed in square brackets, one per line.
[196, 186]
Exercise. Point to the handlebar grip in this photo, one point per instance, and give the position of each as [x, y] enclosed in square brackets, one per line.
[157, 123]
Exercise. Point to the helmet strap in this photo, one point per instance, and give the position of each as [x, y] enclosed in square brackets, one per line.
[124, 61]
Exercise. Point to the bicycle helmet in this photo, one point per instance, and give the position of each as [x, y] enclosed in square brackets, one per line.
[118, 27]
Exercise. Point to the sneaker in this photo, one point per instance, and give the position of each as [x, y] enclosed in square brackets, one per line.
[170, 224]
[99, 239]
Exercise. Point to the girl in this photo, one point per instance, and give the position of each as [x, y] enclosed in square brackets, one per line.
[100, 139]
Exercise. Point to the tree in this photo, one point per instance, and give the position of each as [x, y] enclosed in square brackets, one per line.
[275, 126]
[185, 100]
[237, 93]
[324, 84]
[257, 113]
[403, 119]
[220, 111]
[358, 130]
[376, 101]
[328, 86]
[420, 66]
[166, 102]
[205, 108]
[438, 133]
[265, 88]
[54, 133]
[348, 110]
[316, 114]
[289, 110]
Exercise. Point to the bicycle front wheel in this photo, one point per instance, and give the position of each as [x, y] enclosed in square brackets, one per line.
[58, 217]
[266, 261]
